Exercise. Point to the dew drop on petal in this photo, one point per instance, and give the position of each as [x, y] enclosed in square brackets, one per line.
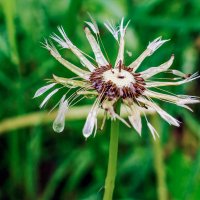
[58, 126]
[89, 124]
[59, 122]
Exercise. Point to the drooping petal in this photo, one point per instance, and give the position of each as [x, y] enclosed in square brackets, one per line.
[100, 59]
[155, 70]
[178, 99]
[135, 118]
[153, 131]
[71, 83]
[48, 97]
[43, 89]
[53, 51]
[159, 84]
[115, 115]
[113, 30]
[59, 122]
[151, 48]
[91, 122]
[73, 48]
[167, 117]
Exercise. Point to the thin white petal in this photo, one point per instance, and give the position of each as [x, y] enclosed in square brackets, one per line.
[121, 119]
[90, 122]
[48, 97]
[120, 56]
[112, 30]
[153, 131]
[151, 48]
[59, 122]
[60, 41]
[135, 118]
[167, 117]
[101, 61]
[92, 27]
[53, 51]
[155, 70]
[159, 84]
[43, 89]
[158, 42]
[178, 73]
[74, 49]
[94, 24]
[178, 99]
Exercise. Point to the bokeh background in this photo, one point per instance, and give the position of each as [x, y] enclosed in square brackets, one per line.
[36, 163]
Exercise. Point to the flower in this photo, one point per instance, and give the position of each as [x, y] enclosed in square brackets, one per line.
[112, 83]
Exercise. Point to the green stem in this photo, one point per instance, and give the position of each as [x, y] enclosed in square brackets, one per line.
[112, 160]
[159, 162]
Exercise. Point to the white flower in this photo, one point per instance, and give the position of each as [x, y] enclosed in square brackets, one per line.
[113, 82]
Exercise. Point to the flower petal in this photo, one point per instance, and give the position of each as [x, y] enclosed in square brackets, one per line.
[101, 61]
[48, 97]
[59, 122]
[159, 84]
[120, 56]
[153, 131]
[155, 70]
[151, 48]
[74, 49]
[43, 89]
[91, 25]
[53, 51]
[135, 118]
[167, 117]
[158, 42]
[91, 122]
[112, 30]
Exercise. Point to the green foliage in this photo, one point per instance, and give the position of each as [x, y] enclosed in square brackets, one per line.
[36, 163]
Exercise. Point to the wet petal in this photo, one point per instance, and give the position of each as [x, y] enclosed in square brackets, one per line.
[91, 122]
[43, 89]
[158, 42]
[153, 131]
[120, 56]
[48, 97]
[167, 117]
[155, 70]
[151, 48]
[75, 50]
[71, 83]
[59, 122]
[135, 118]
[159, 84]
[112, 30]
[91, 25]
[53, 51]
[101, 61]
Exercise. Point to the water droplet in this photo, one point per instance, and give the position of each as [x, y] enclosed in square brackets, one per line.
[58, 126]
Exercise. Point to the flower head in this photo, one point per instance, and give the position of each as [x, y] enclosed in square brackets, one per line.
[110, 83]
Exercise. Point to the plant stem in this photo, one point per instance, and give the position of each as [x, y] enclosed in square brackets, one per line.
[159, 163]
[112, 160]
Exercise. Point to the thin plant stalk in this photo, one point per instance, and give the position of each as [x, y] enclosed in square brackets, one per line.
[112, 160]
[159, 163]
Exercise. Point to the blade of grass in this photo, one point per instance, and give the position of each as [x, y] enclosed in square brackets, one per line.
[32, 162]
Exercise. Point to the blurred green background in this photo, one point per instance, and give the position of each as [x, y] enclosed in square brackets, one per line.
[37, 163]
